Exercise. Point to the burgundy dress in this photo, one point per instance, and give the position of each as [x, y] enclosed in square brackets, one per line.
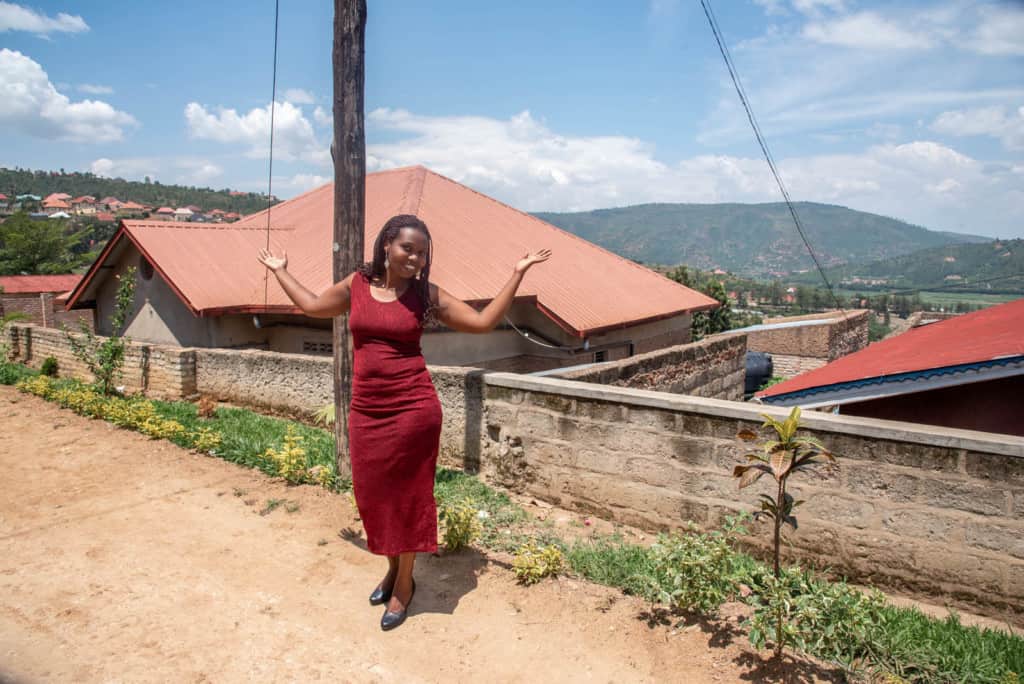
[394, 423]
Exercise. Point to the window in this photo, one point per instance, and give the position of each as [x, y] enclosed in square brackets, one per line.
[600, 356]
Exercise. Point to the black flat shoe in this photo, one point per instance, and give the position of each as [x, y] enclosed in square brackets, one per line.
[391, 620]
[380, 596]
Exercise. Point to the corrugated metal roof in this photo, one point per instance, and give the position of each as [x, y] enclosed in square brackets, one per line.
[27, 284]
[477, 241]
[986, 335]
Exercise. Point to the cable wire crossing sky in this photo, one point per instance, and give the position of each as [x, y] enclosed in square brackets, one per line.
[912, 110]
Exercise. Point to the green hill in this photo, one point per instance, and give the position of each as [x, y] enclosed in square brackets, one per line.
[749, 239]
[996, 267]
[23, 181]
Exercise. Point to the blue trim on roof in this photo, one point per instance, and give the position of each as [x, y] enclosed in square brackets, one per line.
[898, 377]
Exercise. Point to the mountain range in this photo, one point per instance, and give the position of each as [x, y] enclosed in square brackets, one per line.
[756, 240]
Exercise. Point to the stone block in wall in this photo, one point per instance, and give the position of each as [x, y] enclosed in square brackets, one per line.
[998, 467]
[1004, 538]
[924, 524]
[972, 497]
[975, 574]
[876, 483]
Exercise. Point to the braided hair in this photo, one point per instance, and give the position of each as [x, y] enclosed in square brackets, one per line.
[376, 269]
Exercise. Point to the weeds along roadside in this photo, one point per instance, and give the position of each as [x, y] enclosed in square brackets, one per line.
[692, 572]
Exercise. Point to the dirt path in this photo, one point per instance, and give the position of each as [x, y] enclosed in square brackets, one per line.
[125, 559]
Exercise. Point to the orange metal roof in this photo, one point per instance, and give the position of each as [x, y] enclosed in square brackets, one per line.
[22, 284]
[477, 240]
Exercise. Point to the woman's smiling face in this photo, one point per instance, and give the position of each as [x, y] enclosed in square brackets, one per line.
[407, 253]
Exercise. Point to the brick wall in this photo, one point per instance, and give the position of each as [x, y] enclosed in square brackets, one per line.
[931, 511]
[714, 367]
[42, 311]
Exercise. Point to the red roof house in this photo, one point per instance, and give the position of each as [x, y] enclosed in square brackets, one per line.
[38, 284]
[965, 372]
[584, 293]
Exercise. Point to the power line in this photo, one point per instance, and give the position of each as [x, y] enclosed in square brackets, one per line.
[270, 169]
[764, 145]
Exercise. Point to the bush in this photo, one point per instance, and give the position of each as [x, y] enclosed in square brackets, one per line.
[533, 563]
[461, 524]
[697, 571]
[49, 367]
[291, 458]
[13, 373]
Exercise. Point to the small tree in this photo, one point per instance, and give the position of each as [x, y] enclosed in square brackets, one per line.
[105, 358]
[788, 453]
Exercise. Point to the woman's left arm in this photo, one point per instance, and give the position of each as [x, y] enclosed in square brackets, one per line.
[458, 315]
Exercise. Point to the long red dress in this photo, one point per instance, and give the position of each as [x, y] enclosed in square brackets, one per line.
[394, 423]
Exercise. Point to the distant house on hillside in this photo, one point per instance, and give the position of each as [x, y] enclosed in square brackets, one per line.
[965, 372]
[183, 214]
[202, 286]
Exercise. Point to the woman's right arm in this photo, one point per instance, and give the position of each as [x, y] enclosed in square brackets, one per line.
[334, 301]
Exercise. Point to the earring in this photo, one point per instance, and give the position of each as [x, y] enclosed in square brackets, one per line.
[386, 262]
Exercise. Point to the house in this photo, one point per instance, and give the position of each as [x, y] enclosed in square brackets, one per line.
[183, 214]
[84, 206]
[57, 196]
[111, 203]
[129, 209]
[52, 206]
[35, 296]
[964, 372]
[105, 217]
[201, 285]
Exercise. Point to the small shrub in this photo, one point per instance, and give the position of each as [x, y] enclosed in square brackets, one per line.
[533, 563]
[461, 525]
[49, 367]
[204, 440]
[695, 571]
[13, 373]
[291, 458]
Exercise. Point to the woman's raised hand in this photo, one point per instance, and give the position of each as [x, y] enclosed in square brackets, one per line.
[271, 261]
[532, 258]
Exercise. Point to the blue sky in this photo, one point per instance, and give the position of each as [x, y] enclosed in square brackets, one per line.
[913, 109]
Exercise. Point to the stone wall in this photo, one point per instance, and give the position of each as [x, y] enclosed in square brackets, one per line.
[714, 367]
[801, 343]
[281, 382]
[159, 371]
[931, 511]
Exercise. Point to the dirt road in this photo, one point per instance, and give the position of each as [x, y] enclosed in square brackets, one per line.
[126, 559]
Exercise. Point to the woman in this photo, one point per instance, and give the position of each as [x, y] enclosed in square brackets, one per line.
[395, 415]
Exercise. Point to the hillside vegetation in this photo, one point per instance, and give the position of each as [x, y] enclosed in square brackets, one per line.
[23, 181]
[996, 267]
[748, 239]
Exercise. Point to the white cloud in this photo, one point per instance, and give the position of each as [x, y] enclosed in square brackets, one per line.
[302, 182]
[522, 162]
[866, 30]
[31, 105]
[294, 138]
[813, 7]
[323, 117]
[95, 89]
[987, 121]
[17, 18]
[299, 96]
[180, 170]
[1000, 31]
[135, 168]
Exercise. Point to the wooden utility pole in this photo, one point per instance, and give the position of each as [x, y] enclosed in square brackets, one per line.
[349, 195]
